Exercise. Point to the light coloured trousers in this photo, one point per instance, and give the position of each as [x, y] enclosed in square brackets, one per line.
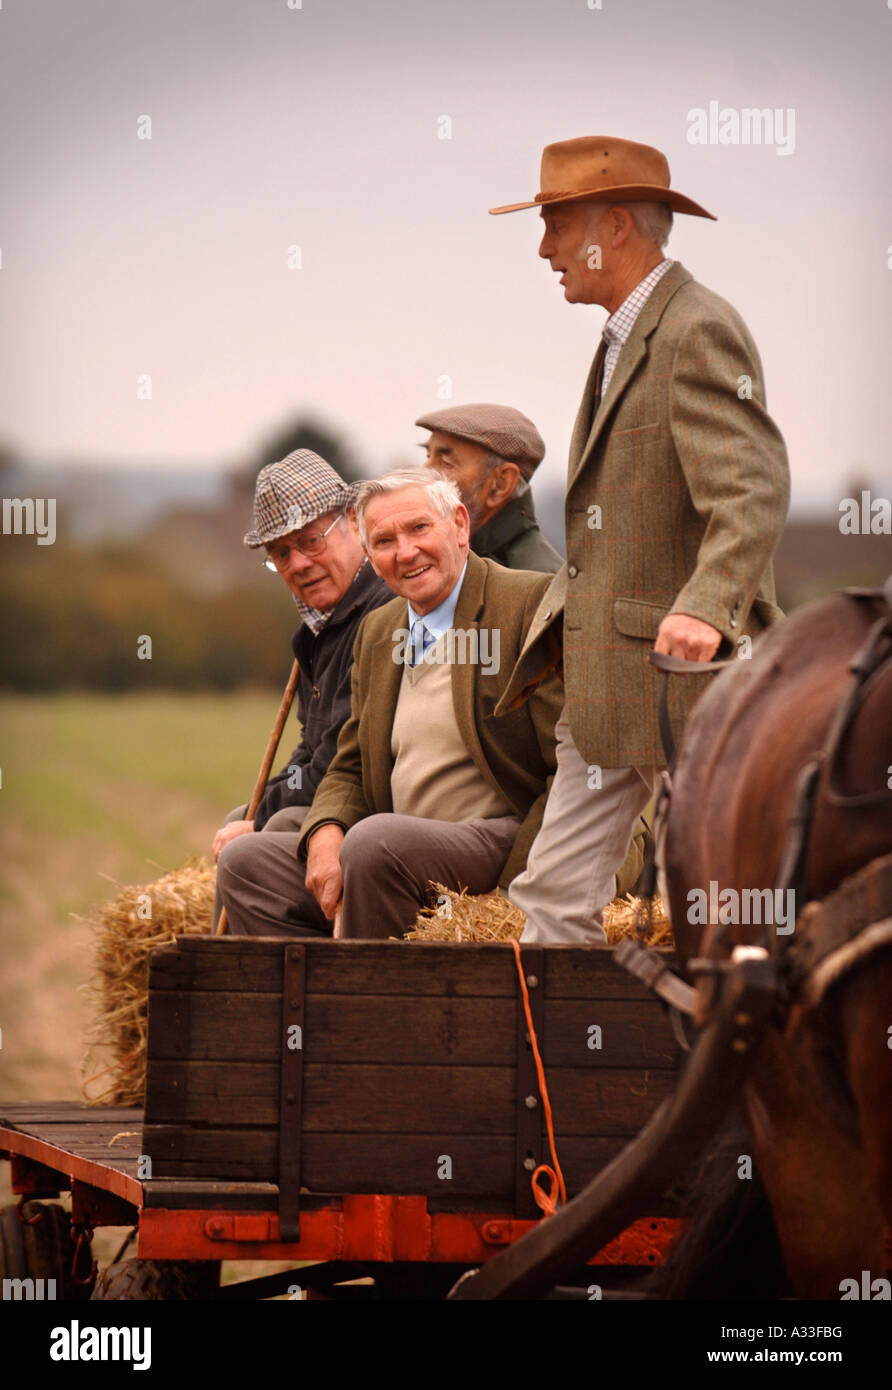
[585, 834]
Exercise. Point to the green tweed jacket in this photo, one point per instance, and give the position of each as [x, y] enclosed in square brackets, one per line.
[677, 493]
[514, 753]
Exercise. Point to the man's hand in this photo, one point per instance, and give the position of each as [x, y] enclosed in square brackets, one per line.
[324, 878]
[689, 638]
[229, 832]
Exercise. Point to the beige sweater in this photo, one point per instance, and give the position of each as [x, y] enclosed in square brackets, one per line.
[433, 774]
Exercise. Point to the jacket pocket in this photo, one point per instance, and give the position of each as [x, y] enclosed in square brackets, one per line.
[642, 434]
[634, 618]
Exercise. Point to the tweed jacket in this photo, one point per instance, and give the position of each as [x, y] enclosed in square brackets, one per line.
[677, 492]
[514, 753]
[512, 537]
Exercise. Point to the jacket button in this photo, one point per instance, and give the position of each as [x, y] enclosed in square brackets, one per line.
[572, 571]
[547, 614]
[317, 693]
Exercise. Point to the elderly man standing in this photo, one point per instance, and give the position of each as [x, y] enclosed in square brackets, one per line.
[300, 517]
[426, 784]
[677, 492]
[491, 452]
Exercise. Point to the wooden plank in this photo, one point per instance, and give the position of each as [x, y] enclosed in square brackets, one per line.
[59, 1151]
[70, 1142]
[246, 1027]
[599, 1032]
[234, 1155]
[606, 1102]
[481, 1166]
[337, 1028]
[231, 963]
[184, 1194]
[388, 967]
[23, 1113]
[573, 972]
[402, 1099]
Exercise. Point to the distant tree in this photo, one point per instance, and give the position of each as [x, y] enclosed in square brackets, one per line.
[301, 433]
[8, 458]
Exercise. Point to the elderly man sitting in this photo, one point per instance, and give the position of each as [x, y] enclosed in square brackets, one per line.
[300, 517]
[426, 785]
[491, 452]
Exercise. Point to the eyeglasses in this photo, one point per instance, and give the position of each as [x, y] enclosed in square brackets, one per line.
[278, 557]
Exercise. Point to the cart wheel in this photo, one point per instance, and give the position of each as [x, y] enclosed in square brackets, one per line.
[170, 1280]
[43, 1250]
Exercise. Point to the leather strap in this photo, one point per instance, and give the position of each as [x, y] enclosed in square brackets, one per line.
[677, 665]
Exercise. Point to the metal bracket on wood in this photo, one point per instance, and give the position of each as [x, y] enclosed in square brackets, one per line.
[529, 1152]
[290, 1098]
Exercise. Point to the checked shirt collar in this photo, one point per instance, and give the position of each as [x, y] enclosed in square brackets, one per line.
[618, 327]
[316, 618]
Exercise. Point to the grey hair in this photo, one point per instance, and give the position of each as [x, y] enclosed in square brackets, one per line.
[653, 220]
[526, 467]
[443, 494]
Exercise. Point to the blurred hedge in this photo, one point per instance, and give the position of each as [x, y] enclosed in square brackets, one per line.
[71, 618]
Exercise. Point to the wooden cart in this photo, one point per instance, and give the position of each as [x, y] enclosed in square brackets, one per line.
[369, 1107]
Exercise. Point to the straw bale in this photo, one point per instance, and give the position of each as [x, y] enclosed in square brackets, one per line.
[181, 904]
[490, 917]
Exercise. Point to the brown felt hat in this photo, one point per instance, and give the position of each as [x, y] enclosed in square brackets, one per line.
[600, 168]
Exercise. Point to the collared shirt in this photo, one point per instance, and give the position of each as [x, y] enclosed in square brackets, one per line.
[439, 619]
[618, 327]
[316, 618]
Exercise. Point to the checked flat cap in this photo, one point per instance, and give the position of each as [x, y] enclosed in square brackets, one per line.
[292, 493]
[500, 428]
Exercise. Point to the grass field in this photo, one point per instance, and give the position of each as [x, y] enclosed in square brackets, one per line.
[99, 788]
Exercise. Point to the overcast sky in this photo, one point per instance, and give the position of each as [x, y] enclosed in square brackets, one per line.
[319, 127]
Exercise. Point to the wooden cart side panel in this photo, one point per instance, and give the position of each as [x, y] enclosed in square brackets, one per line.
[391, 967]
[409, 1057]
[216, 1026]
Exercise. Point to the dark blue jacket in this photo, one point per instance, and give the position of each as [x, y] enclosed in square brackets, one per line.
[323, 694]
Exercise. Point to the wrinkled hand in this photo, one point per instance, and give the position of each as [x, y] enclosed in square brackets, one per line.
[686, 637]
[324, 878]
[229, 832]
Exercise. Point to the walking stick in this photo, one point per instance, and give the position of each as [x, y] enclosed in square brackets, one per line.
[263, 774]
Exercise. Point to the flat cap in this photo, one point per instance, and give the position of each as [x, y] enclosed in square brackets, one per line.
[500, 428]
[292, 493]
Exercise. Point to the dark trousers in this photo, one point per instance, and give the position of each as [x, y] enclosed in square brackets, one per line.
[388, 862]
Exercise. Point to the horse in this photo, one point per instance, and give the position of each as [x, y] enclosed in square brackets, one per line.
[783, 782]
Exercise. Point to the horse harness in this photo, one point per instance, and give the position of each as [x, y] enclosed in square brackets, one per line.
[833, 934]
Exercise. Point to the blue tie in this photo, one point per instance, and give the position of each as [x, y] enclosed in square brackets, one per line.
[422, 638]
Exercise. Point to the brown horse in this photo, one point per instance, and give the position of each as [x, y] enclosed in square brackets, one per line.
[818, 1103]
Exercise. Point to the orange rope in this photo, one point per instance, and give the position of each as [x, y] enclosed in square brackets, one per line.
[546, 1200]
